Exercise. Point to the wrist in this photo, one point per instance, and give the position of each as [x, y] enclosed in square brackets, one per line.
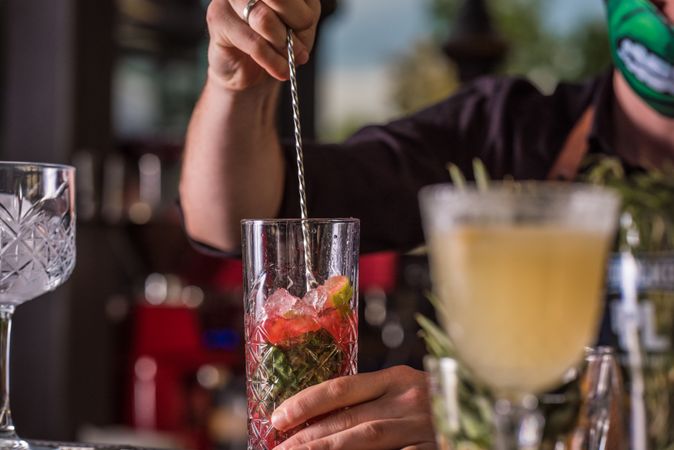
[257, 103]
[234, 87]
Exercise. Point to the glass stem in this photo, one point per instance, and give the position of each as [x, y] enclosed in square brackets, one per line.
[517, 427]
[6, 424]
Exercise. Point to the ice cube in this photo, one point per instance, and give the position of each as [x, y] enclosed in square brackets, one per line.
[316, 298]
[280, 303]
[304, 307]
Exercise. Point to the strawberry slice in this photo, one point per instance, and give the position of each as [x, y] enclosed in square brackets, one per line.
[284, 331]
[336, 323]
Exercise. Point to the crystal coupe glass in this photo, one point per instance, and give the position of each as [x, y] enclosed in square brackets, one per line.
[37, 252]
[519, 272]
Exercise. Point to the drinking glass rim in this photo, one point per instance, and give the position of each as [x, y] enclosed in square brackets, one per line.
[42, 165]
[531, 188]
[310, 220]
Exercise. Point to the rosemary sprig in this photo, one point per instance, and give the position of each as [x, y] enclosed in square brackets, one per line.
[473, 401]
[479, 173]
[437, 342]
[456, 175]
[648, 202]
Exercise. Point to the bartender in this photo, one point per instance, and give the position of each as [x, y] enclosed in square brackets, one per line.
[235, 167]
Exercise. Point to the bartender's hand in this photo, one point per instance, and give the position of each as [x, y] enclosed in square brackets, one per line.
[388, 409]
[240, 55]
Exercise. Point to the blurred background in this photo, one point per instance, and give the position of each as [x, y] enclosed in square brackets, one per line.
[144, 344]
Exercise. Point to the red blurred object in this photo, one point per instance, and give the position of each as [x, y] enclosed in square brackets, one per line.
[167, 332]
[378, 270]
[167, 351]
[218, 273]
[229, 275]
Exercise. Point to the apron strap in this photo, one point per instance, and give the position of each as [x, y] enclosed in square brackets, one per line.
[575, 148]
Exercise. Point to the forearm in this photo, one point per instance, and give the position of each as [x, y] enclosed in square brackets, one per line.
[233, 165]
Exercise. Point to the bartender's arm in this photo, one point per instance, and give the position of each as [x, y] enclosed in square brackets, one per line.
[233, 164]
[234, 168]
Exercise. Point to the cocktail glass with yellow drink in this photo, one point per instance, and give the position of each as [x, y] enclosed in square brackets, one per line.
[519, 272]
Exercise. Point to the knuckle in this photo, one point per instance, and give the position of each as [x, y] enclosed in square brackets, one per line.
[322, 444]
[397, 374]
[372, 431]
[316, 9]
[408, 374]
[296, 440]
[213, 13]
[305, 20]
[346, 421]
[338, 387]
[416, 395]
[266, 24]
[399, 370]
[260, 17]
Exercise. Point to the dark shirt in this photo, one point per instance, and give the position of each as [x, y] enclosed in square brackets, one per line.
[376, 174]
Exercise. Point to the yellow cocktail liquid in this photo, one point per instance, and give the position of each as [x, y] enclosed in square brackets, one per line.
[520, 302]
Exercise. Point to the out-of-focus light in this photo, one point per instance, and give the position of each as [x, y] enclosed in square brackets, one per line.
[156, 289]
[140, 213]
[393, 335]
[209, 376]
[222, 339]
[149, 164]
[632, 236]
[192, 296]
[117, 308]
[145, 368]
[149, 168]
[174, 289]
[375, 311]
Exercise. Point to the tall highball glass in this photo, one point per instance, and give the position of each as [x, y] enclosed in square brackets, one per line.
[301, 312]
[37, 252]
[519, 271]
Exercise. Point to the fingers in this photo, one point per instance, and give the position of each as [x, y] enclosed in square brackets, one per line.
[329, 396]
[343, 420]
[374, 435]
[297, 14]
[270, 18]
[306, 37]
[240, 52]
[387, 409]
[268, 24]
[229, 30]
